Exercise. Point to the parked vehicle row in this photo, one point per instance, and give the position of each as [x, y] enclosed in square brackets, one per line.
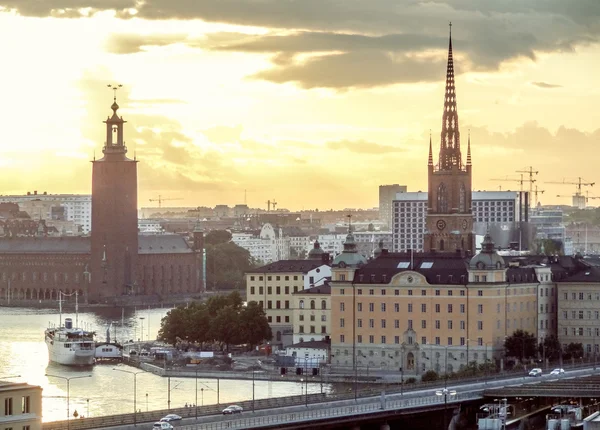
[538, 372]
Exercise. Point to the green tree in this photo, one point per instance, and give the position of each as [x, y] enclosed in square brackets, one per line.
[199, 318]
[217, 237]
[574, 350]
[225, 328]
[176, 324]
[226, 265]
[253, 324]
[371, 227]
[550, 348]
[521, 345]
[430, 375]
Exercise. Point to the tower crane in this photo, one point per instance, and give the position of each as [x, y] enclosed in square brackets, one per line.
[579, 199]
[520, 181]
[535, 193]
[529, 170]
[161, 199]
[269, 203]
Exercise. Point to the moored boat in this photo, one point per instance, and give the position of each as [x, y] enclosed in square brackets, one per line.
[70, 345]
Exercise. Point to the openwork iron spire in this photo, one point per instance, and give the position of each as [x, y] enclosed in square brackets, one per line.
[430, 162]
[450, 144]
[469, 150]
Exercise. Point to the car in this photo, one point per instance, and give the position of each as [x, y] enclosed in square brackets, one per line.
[232, 409]
[535, 372]
[171, 417]
[162, 425]
[557, 372]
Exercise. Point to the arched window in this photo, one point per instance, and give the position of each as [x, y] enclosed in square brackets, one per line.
[312, 304]
[301, 304]
[442, 199]
[462, 199]
[323, 304]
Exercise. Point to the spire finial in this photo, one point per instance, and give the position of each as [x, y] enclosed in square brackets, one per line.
[430, 160]
[450, 25]
[349, 223]
[469, 149]
[114, 88]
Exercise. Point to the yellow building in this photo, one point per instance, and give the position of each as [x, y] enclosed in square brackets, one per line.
[429, 311]
[272, 287]
[22, 406]
[312, 314]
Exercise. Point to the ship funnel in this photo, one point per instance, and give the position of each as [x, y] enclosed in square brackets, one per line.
[68, 323]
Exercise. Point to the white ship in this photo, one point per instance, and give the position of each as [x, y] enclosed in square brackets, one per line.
[68, 345]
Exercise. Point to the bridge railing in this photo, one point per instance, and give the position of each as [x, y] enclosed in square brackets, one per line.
[320, 414]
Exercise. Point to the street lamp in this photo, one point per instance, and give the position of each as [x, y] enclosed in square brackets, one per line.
[252, 390]
[146, 402]
[202, 393]
[68, 379]
[142, 320]
[88, 407]
[134, 392]
[445, 392]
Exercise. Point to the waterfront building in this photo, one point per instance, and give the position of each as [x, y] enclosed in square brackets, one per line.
[311, 314]
[22, 405]
[273, 287]
[270, 245]
[115, 262]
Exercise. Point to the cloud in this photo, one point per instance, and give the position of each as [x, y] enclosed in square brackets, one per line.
[127, 43]
[362, 147]
[545, 85]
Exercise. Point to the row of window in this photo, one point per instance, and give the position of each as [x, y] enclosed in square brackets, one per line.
[449, 292]
[312, 329]
[25, 405]
[579, 331]
[581, 296]
[397, 340]
[524, 306]
[277, 278]
[579, 315]
[384, 324]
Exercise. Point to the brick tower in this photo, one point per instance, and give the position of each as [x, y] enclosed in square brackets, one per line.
[114, 237]
[449, 220]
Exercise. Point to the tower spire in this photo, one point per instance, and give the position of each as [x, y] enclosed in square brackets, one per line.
[430, 161]
[469, 149]
[450, 155]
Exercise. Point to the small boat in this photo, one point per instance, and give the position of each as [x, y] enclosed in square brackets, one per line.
[109, 351]
[69, 345]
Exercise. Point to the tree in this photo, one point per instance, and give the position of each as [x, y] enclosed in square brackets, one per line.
[520, 345]
[574, 350]
[254, 325]
[225, 328]
[430, 375]
[550, 348]
[226, 265]
[174, 325]
[217, 237]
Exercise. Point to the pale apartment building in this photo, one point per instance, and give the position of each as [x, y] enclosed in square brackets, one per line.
[312, 314]
[579, 308]
[430, 311]
[22, 406]
[273, 287]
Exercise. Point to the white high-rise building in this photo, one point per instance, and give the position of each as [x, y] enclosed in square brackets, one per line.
[386, 196]
[78, 207]
[410, 211]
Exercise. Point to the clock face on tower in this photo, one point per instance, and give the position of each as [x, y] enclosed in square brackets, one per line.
[440, 224]
[464, 224]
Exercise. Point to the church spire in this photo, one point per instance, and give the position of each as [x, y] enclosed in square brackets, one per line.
[469, 150]
[450, 156]
[115, 144]
[430, 162]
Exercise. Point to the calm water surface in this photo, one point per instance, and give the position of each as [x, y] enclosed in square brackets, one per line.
[23, 352]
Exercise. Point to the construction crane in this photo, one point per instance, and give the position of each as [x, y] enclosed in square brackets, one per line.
[529, 170]
[587, 196]
[579, 199]
[520, 181]
[161, 199]
[269, 203]
[535, 193]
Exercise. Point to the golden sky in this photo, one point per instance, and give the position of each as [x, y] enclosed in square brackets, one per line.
[313, 103]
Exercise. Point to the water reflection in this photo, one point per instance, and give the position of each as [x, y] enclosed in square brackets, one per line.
[107, 391]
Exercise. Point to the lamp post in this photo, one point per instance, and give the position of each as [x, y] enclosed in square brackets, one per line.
[88, 407]
[196, 404]
[142, 320]
[252, 390]
[202, 396]
[445, 392]
[146, 402]
[134, 392]
[68, 379]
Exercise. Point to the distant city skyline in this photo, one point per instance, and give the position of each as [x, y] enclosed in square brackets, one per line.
[236, 100]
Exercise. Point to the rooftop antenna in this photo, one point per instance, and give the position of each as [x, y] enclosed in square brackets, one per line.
[349, 223]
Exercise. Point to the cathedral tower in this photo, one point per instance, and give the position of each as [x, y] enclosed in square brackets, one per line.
[449, 220]
[114, 234]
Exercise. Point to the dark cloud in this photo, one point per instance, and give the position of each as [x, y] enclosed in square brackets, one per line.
[545, 85]
[362, 147]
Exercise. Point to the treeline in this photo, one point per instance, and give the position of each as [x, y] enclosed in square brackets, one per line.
[226, 262]
[221, 319]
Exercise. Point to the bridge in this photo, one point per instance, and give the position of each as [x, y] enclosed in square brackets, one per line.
[563, 387]
[339, 410]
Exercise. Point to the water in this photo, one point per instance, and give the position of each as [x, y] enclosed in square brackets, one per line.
[106, 392]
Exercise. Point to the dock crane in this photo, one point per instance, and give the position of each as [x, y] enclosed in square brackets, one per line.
[579, 199]
[161, 199]
[269, 203]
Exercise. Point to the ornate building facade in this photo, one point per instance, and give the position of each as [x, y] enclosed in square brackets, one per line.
[115, 263]
[449, 221]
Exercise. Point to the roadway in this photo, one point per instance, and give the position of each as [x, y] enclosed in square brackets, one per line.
[349, 408]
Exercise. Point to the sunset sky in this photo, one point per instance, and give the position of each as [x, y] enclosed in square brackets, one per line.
[314, 103]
